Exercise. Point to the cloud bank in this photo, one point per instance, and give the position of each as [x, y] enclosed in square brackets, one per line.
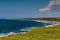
[54, 5]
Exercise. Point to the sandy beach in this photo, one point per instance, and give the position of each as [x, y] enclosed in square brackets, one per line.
[54, 23]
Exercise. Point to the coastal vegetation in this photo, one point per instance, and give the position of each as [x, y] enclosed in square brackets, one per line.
[44, 19]
[43, 33]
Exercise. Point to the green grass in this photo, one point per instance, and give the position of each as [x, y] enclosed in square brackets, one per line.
[44, 33]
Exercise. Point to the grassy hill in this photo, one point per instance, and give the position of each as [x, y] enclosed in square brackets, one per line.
[44, 33]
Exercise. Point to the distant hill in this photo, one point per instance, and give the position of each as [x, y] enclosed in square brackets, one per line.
[47, 19]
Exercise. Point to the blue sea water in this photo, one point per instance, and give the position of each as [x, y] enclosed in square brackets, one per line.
[16, 26]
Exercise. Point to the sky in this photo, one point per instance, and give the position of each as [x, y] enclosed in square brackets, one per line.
[25, 9]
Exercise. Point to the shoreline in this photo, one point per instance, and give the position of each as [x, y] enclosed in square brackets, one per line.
[54, 23]
[12, 33]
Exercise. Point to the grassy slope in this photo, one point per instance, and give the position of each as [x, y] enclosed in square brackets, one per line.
[49, 33]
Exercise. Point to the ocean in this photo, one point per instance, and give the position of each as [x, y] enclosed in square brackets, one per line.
[17, 26]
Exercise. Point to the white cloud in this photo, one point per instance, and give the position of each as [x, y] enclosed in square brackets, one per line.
[45, 9]
[53, 5]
